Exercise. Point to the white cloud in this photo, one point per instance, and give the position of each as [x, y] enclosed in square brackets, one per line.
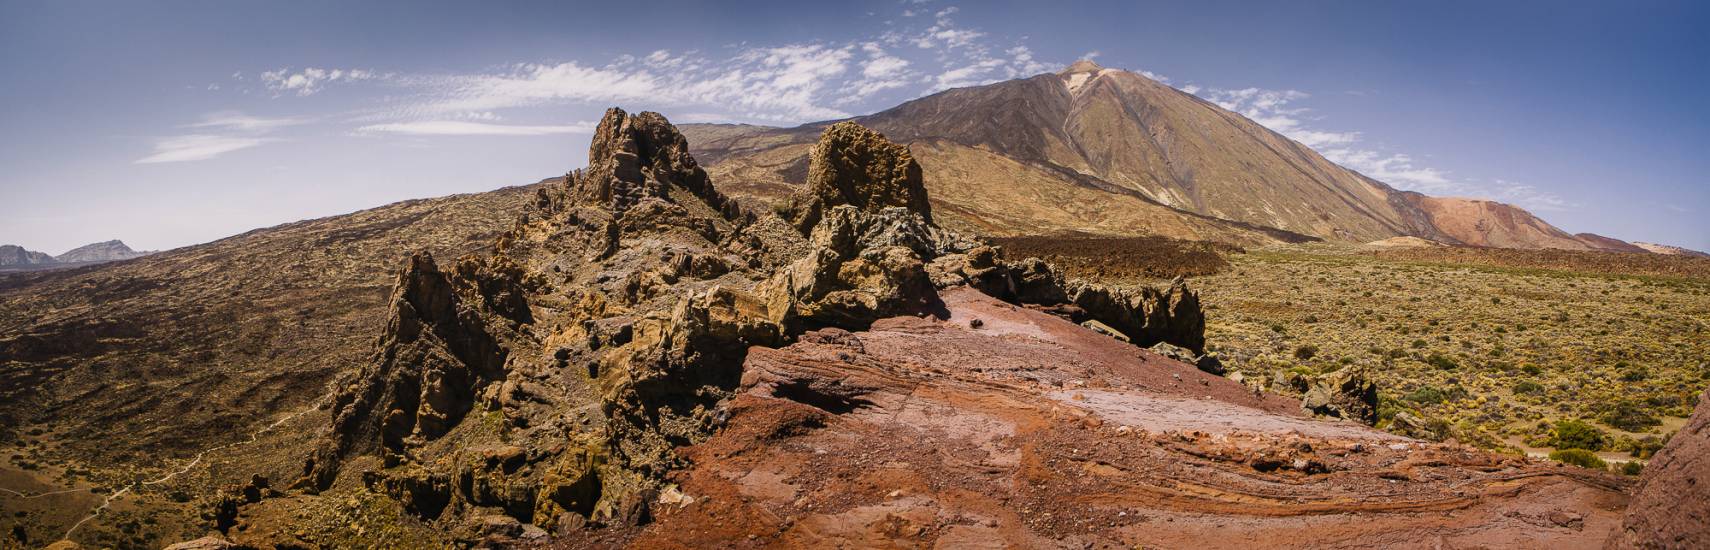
[198, 147]
[310, 80]
[234, 120]
[784, 83]
[466, 128]
[879, 72]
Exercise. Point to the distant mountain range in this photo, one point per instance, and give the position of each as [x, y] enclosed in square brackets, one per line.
[17, 258]
[1099, 150]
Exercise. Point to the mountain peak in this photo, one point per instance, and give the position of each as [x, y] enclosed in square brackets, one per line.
[1083, 66]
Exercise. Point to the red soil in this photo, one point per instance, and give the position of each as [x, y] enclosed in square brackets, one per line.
[1029, 431]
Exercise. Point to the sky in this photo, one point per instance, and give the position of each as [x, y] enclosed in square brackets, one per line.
[173, 123]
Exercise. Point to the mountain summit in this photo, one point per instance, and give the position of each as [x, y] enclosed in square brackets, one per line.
[1110, 151]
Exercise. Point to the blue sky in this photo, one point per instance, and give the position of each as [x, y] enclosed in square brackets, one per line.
[172, 123]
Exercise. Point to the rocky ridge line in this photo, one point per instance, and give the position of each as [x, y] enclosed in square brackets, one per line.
[552, 381]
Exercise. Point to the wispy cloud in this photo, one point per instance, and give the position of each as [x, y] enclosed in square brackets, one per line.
[216, 134]
[309, 80]
[198, 147]
[782, 84]
[467, 128]
[234, 120]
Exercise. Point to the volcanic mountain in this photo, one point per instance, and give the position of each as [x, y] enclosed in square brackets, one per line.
[1108, 151]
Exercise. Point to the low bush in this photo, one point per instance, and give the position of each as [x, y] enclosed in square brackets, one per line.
[1528, 387]
[1629, 416]
[1441, 362]
[1574, 434]
[1579, 457]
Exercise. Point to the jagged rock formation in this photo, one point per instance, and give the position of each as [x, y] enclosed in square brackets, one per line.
[434, 358]
[858, 167]
[554, 380]
[1671, 508]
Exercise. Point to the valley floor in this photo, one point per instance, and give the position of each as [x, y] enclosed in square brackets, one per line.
[1488, 347]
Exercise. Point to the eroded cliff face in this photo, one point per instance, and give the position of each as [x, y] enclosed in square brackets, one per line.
[554, 381]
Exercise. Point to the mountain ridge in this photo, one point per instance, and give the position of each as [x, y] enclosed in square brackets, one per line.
[1077, 150]
[18, 258]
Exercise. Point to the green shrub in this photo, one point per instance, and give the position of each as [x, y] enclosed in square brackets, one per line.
[1633, 468]
[1441, 362]
[1428, 395]
[1629, 416]
[1305, 352]
[1579, 457]
[1528, 387]
[1574, 434]
[1647, 446]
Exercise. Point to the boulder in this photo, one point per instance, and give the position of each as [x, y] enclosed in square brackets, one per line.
[1342, 394]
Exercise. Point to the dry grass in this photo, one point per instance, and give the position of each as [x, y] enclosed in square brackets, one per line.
[1611, 342]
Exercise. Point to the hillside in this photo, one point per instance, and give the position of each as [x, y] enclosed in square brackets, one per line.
[1112, 152]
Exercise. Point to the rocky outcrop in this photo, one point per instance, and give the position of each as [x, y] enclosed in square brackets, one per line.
[434, 359]
[1147, 315]
[556, 380]
[1346, 393]
[864, 266]
[633, 158]
[1671, 508]
[852, 165]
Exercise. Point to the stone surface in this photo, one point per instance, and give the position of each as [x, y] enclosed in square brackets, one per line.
[1671, 508]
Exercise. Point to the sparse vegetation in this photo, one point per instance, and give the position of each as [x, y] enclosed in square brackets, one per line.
[1579, 457]
[1576, 340]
